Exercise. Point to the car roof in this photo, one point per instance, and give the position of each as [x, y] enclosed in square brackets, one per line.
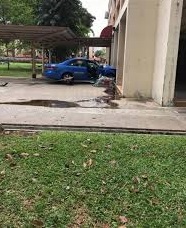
[79, 58]
[72, 59]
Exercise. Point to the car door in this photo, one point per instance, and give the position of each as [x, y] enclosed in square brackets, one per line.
[93, 69]
[79, 69]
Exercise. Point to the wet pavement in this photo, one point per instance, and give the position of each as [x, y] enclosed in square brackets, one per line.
[52, 94]
[95, 97]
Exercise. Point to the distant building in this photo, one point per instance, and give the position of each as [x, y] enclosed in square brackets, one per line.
[146, 38]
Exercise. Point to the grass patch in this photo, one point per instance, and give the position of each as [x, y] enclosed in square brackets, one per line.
[18, 69]
[92, 180]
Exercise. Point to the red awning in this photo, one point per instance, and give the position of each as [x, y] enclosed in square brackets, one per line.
[107, 32]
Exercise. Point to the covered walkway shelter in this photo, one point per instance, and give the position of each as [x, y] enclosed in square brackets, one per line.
[37, 36]
[48, 37]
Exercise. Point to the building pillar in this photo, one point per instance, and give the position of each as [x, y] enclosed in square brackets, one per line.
[172, 52]
[141, 26]
[112, 52]
[121, 53]
[167, 44]
[115, 48]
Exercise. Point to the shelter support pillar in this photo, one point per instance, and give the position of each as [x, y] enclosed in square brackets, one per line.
[50, 56]
[33, 62]
[109, 62]
[88, 52]
[43, 60]
[7, 54]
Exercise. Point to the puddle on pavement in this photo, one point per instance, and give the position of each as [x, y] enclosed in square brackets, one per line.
[100, 102]
[45, 103]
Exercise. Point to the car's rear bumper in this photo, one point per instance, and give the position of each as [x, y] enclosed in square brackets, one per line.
[51, 75]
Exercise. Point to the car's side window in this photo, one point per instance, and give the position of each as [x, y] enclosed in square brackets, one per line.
[72, 63]
[78, 63]
[92, 65]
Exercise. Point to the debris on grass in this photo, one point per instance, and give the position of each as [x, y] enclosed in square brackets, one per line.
[123, 219]
[9, 157]
[36, 155]
[84, 145]
[24, 155]
[88, 163]
[37, 223]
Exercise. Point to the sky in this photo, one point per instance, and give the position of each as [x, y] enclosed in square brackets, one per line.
[97, 8]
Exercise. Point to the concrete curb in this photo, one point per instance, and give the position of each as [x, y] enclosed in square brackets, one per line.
[28, 127]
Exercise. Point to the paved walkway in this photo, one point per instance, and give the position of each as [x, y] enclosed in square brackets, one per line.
[131, 117]
[90, 112]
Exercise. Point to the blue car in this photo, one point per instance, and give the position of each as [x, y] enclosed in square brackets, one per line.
[77, 69]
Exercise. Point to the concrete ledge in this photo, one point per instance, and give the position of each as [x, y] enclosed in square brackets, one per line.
[37, 128]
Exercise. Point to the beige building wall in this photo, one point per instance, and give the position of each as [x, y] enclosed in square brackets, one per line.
[140, 48]
[146, 53]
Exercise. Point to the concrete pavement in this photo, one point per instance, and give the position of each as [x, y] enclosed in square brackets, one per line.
[90, 112]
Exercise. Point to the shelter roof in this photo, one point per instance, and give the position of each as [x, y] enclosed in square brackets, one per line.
[49, 36]
[87, 41]
[45, 35]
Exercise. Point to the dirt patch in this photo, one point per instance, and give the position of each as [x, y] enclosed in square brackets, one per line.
[81, 217]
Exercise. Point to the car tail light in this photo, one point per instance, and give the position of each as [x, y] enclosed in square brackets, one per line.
[50, 67]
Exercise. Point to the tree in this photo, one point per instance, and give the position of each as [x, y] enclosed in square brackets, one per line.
[100, 53]
[22, 12]
[66, 13]
[5, 6]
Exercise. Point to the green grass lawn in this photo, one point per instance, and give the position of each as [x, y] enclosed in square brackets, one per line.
[92, 180]
[18, 69]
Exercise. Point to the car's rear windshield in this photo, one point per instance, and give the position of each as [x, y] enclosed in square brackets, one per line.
[68, 61]
[65, 62]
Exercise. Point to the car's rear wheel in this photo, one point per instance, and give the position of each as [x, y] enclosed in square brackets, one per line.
[68, 78]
